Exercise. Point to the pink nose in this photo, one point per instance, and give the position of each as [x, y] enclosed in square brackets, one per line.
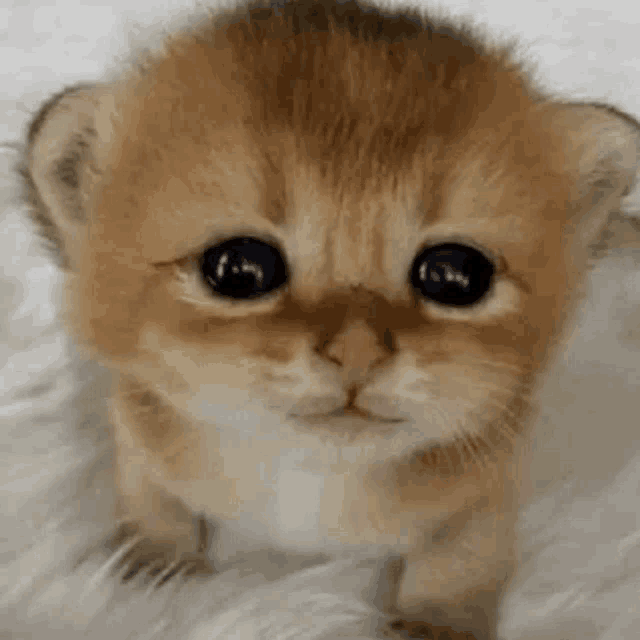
[356, 350]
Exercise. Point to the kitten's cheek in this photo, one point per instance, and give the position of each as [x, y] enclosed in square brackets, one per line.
[399, 389]
[210, 404]
[230, 407]
[421, 418]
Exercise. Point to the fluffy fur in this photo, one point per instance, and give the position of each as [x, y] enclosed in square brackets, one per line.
[341, 411]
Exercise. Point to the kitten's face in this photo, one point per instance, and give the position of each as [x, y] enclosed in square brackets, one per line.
[345, 324]
[309, 237]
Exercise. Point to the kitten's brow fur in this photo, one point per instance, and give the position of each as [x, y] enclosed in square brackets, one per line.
[350, 138]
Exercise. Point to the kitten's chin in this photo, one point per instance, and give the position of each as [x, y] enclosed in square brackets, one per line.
[350, 422]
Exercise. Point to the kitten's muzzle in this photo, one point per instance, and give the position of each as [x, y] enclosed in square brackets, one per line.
[356, 405]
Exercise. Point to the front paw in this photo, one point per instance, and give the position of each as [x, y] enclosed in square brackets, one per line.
[402, 629]
[137, 551]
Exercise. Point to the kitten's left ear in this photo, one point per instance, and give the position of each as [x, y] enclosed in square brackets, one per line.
[67, 143]
[602, 146]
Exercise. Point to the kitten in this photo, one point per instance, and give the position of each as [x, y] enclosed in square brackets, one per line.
[327, 252]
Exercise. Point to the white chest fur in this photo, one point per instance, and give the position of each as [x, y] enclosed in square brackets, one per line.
[269, 483]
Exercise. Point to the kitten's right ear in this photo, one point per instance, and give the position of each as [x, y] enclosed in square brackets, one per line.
[66, 146]
[602, 151]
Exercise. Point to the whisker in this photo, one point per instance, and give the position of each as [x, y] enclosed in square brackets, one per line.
[505, 366]
[464, 446]
[459, 448]
[480, 446]
[447, 454]
[443, 451]
[511, 411]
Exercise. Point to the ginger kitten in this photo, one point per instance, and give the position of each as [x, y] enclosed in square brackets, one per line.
[327, 251]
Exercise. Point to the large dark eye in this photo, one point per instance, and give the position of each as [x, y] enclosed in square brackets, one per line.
[451, 274]
[243, 268]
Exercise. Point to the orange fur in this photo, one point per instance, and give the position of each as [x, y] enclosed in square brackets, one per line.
[350, 144]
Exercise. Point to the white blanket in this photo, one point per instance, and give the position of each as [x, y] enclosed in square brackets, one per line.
[581, 533]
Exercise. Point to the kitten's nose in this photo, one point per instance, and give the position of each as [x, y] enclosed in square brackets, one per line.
[357, 349]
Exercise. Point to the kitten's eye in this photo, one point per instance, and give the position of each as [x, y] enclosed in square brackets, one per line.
[452, 274]
[243, 268]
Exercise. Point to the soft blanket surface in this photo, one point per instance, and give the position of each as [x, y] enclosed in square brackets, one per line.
[581, 530]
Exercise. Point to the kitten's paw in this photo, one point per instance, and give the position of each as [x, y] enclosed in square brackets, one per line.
[402, 629]
[162, 559]
[189, 564]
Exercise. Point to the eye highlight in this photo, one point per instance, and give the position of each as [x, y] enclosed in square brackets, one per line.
[243, 268]
[452, 274]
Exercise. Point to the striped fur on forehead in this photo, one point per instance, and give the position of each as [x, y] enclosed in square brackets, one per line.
[364, 92]
[361, 91]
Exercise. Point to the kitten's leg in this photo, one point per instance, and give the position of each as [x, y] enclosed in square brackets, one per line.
[457, 579]
[403, 629]
[159, 537]
[160, 531]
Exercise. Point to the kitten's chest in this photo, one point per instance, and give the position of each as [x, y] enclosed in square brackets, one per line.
[289, 498]
[299, 492]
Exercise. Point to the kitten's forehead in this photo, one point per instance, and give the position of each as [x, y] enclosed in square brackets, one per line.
[340, 239]
[334, 236]
[299, 121]
[278, 191]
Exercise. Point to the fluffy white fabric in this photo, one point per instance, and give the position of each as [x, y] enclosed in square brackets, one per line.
[581, 531]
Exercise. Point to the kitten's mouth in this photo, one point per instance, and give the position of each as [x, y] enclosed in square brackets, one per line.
[349, 413]
[355, 412]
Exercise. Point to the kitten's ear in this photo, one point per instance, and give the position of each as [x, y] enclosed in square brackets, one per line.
[601, 145]
[66, 146]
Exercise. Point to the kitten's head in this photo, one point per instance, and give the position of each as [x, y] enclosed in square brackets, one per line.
[364, 226]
